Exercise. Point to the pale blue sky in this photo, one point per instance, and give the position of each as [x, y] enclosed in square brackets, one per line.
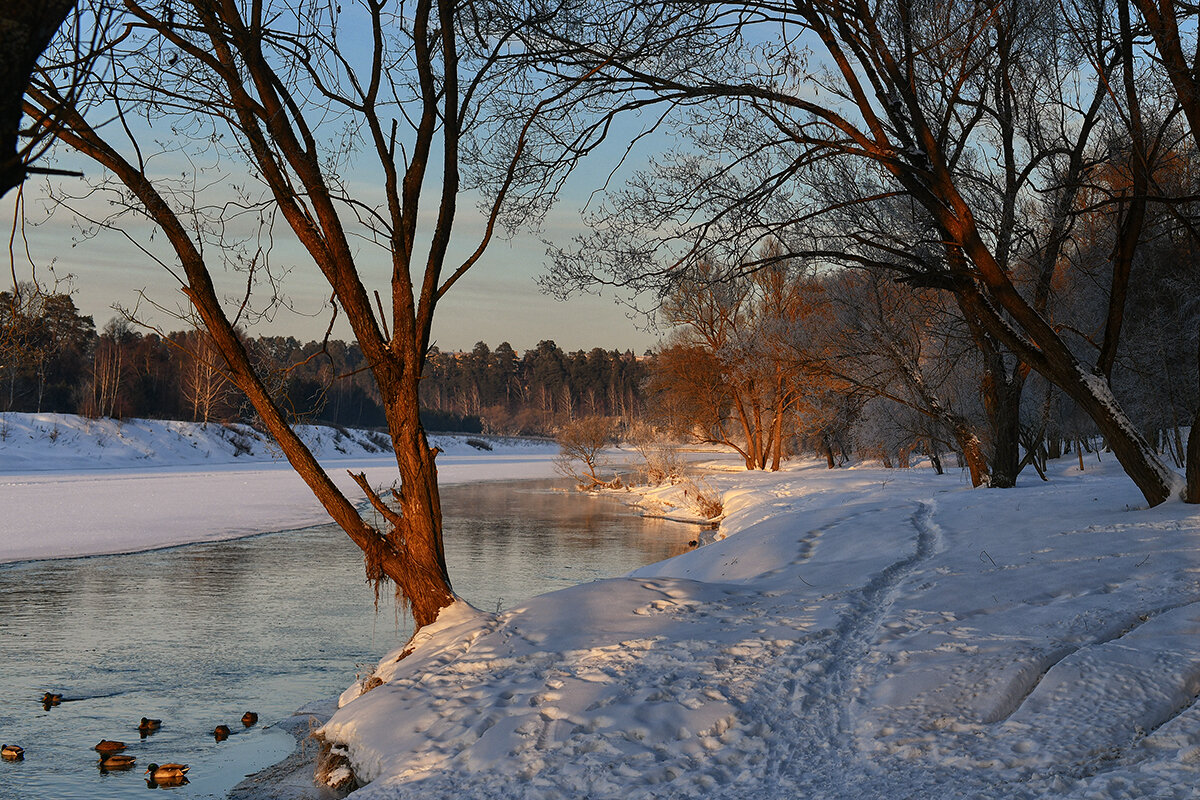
[498, 300]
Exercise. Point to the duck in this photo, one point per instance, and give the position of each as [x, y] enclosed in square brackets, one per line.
[107, 746]
[117, 761]
[149, 725]
[167, 772]
[249, 718]
[12, 752]
[221, 732]
[51, 699]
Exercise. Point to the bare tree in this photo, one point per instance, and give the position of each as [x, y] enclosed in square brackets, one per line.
[883, 345]
[582, 442]
[741, 379]
[342, 120]
[203, 380]
[917, 93]
[1172, 41]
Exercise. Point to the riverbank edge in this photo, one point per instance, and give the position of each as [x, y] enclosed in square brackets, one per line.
[292, 778]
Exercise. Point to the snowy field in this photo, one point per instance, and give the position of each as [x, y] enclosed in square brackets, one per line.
[71, 486]
[861, 633]
[857, 633]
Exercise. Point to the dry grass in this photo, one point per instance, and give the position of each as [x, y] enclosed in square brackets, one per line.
[706, 500]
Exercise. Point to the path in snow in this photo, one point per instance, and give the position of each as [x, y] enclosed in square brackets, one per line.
[745, 683]
[855, 638]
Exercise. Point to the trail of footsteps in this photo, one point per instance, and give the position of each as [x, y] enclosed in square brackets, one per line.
[822, 715]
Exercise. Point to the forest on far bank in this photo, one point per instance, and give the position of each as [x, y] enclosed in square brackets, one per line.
[53, 359]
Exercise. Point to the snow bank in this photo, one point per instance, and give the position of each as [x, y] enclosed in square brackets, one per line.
[71, 486]
[858, 633]
[58, 442]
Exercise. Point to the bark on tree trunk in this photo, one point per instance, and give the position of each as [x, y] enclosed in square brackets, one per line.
[1006, 435]
[28, 26]
[777, 429]
[1002, 392]
[1192, 492]
[972, 453]
[425, 581]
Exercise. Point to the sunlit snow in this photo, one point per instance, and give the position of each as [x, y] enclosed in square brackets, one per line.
[856, 633]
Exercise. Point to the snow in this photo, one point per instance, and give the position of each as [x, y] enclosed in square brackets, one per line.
[71, 486]
[853, 633]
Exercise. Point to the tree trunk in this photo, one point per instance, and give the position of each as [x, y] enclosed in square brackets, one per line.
[417, 534]
[1192, 492]
[972, 453]
[934, 459]
[752, 445]
[777, 429]
[1006, 435]
[28, 26]
[1057, 364]
[1002, 392]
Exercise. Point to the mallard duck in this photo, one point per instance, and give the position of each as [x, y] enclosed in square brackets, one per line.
[117, 761]
[167, 772]
[108, 746]
[249, 718]
[221, 732]
[149, 725]
[12, 752]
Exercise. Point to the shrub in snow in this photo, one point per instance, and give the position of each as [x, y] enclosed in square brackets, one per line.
[659, 453]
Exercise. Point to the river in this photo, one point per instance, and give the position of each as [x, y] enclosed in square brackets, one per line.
[197, 635]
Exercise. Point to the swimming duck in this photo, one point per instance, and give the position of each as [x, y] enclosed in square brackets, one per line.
[12, 752]
[51, 699]
[117, 761]
[108, 746]
[149, 725]
[221, 732]
[167, 772]
[249, 718]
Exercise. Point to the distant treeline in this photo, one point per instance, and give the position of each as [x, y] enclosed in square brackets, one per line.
[532, 392]
[53, 359]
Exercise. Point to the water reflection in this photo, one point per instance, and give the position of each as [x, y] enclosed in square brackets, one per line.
[198, 635]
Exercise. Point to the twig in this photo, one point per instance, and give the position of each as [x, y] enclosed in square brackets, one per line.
[375, 500]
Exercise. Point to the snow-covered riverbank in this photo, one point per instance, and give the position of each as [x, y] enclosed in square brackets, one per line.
[861, 633]
[71, 486]
[858, 633]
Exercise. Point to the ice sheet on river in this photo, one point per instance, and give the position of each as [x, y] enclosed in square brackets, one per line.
[71, 486]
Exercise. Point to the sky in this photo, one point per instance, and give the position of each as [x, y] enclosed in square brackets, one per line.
[498, 300]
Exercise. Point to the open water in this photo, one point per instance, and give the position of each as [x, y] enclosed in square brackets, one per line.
[197, 635]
